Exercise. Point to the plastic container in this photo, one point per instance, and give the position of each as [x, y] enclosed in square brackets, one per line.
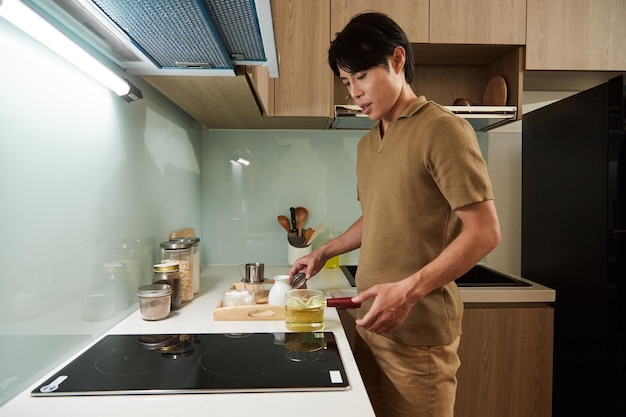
[113, 276]
[129, 254]
[181, 252]
[146, 247]
[98, 304]
[168, 273]
[236, 298]
[154, 301]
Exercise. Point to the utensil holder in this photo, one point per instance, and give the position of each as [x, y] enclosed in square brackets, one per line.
[293, 252]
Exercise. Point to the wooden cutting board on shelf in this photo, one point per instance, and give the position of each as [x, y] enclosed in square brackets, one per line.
[496, 92]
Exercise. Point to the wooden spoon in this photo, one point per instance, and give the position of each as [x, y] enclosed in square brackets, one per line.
[308, 233]
[302, 216]
[315, 234]
[284, 222]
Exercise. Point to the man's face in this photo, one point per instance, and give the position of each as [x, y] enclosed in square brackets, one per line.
[375, 90]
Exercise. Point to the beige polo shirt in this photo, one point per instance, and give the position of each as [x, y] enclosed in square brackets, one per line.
[409, 183]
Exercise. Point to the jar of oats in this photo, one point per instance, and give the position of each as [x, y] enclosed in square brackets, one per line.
[181, 252]
[195, 241]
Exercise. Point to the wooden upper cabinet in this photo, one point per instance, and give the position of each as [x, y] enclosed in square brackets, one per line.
[487, 22]
[215, 102]
[576, 35]
[411, 15]
[305, 84]
[304, 29]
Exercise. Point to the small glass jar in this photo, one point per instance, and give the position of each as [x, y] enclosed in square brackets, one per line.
[98, 303]
[154, 301]
[168, 273]
[181, 252]
[113, 275]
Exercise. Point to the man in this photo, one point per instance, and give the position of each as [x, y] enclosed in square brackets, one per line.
[427, 218]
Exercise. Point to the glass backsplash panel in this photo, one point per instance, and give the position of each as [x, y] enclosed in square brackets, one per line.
[85, 179]
[240, 204]
[312, 169]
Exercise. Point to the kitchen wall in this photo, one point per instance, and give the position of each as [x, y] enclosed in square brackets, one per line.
[80, 170]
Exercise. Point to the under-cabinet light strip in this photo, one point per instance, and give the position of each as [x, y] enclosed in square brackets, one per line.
[43, 31]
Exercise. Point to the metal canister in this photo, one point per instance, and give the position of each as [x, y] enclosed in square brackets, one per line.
[181, 252]
[168, 273]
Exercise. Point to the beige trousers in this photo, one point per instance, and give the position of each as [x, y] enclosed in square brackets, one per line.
[407, 381]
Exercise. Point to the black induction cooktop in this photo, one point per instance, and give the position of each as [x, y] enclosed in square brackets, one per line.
[202, 363]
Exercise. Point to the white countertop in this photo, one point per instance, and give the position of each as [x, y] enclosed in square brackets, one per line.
[197, 317]
[535, 293]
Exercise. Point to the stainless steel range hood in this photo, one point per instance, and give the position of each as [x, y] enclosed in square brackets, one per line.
[482, 118]
[170, 37]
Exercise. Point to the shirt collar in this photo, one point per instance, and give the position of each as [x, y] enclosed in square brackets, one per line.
[414, 107]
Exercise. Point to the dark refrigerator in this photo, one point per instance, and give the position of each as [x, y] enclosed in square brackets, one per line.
[574, 241]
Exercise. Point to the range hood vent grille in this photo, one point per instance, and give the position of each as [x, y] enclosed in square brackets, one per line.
[171, 37]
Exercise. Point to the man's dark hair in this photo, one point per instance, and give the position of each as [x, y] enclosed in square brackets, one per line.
[368, 40]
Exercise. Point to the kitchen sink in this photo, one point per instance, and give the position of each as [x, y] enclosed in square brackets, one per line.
[478, 276]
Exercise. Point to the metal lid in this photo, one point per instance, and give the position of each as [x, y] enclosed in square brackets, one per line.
[299, 281]
[154, 290]
[192, 239]
[166, 267]
[176, 245]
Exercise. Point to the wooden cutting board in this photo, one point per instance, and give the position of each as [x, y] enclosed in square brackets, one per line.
[496, 92]
[189, 232]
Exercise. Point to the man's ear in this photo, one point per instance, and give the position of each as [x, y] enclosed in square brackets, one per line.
[398, 59]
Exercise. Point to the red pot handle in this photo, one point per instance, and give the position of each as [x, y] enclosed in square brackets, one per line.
[342, 302]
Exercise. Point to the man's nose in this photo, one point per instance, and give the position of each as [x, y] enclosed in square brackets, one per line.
[355, 92]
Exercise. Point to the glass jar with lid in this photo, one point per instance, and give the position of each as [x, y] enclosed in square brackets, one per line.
[181, 252]
[168, 273]
[195, 251]
[154, 301]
